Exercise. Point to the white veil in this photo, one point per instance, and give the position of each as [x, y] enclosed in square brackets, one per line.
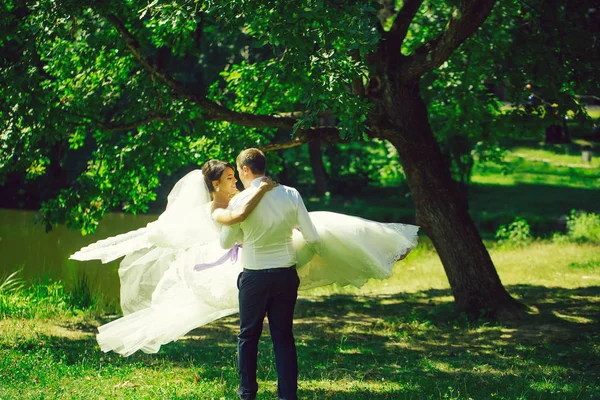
[188, 191]
[151, 250]
[186, 222]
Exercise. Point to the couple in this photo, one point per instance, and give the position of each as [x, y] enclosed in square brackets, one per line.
[175, 277]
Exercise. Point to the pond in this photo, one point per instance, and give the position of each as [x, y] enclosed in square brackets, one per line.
[45, 256]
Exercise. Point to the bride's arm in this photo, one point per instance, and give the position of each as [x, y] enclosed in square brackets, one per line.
[230, 217]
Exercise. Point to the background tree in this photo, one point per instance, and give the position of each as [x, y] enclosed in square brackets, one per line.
[554, 58]
[108, 97]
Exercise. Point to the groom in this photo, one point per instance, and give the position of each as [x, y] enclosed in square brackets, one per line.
[269, 283]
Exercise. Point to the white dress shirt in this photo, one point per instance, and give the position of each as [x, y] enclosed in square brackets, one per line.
[266, 233]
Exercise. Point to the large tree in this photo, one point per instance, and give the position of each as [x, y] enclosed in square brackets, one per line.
[115, 95]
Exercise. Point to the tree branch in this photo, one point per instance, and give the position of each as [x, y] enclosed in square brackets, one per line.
[326, 133]
[300, 114]
[465, 21]
[402, 20]
[109, 126]
[357, 83]
[384, 14]
[134, 47]
[135, 124]
[220, 113]
[282, 145]
[213, 110]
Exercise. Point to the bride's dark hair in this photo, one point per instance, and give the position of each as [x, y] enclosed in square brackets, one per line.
[213, 170]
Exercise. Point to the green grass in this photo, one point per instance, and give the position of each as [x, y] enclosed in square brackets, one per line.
[392, 339]
[531, 171]
[593, 111]
[540, 183]
[532, 162]
[557, 156]
[49, 299]
[396, 339]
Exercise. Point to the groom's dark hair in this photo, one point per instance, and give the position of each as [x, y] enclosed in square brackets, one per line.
[254, 159]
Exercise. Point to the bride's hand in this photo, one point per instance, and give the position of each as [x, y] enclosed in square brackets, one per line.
[267, 184]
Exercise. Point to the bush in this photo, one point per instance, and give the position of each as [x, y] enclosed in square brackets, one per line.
[559, 238]
[583, 227]
[43, 300]
[81, 295]
[517, 233]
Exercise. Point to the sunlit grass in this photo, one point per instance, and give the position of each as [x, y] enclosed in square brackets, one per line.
[548, 264]
[49, 299]
[557, 155]
[541, 263]
[393, 339]
[553, 165]
[542, 184]
[523, 170]
[592, 111]
[539, 183]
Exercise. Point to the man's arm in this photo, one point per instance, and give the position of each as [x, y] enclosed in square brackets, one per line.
[231, 217]
[306, 226]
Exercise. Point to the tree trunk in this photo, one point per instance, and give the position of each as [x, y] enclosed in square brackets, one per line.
[318, 168]
[566, 136]
[442, 212]
[553, 134]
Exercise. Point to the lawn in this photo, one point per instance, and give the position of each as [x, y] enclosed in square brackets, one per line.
[396, 339]
[392, 339]
[538, 182]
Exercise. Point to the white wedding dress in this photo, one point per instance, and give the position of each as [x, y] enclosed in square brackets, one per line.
[163, 297]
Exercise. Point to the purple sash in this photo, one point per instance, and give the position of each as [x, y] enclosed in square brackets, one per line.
[232, 255]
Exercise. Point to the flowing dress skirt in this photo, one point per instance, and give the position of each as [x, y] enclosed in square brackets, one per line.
[163, 298]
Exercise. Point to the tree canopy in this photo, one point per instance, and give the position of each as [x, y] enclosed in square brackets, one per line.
[145, 89]
[105, 99]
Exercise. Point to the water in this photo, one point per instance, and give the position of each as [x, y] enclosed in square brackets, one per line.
[45, 256]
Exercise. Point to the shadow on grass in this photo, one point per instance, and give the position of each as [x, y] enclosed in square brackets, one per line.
[407, 345]
[571, 148]
[543, 206]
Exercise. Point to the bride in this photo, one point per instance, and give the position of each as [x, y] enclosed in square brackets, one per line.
[175, 277]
